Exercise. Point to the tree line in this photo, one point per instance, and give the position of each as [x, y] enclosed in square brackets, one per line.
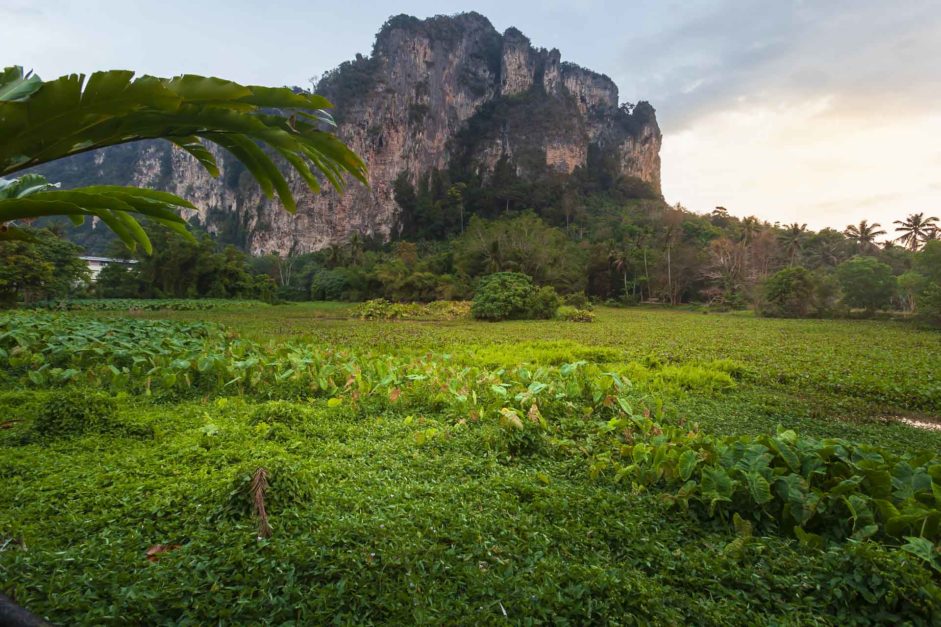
[615, 250]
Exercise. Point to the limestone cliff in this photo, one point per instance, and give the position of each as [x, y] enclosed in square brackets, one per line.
[432, 94]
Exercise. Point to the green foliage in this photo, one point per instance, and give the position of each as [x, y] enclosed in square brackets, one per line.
[141, 304]
[380, 309]
[544, 303]
[573, 314]
[503, 296]
[186, 268]
[329, 285]
[46, 121]
[578, 300]
[820, 490]
[76, 412]
[867, 283]
[789, 293]
[928, 261]
[42, 266]
[929, 305]
[402, 431]
[280, 412]
[523, 244]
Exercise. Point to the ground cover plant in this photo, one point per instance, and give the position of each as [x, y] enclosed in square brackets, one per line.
[302, 464]
[140, 304]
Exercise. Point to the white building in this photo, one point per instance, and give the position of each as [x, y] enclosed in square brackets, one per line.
[95, 264]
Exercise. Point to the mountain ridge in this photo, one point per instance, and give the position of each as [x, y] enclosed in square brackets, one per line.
[446, 94]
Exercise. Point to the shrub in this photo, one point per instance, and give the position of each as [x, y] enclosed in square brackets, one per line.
[381, 309]
[929, 305]
[867, 283]
[577, 300]
[503, 296]
[329, 285]
[512, 296]
[280, 413]
[789, 293]
[76, 411]
[572, 314]
[544, 303]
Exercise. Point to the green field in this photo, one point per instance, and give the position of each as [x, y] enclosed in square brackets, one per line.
[411, 480]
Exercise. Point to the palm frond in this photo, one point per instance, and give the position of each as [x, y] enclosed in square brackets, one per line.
[44, 121]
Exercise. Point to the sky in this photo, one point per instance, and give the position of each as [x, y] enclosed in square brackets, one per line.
[823, 112]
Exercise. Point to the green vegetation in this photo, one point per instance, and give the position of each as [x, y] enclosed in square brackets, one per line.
[512, 296]
[148, 304]
[662, 465]
[39, 266]
[43, 121]
[867, 283]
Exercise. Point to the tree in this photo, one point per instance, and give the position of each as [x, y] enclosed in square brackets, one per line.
[928, 261]
[792, 238]
[867, 283]
[521, 244]
[44, 121]
[512, 296]
[825, 249]
[620, 260]
[864, 234]
[40, 265]
[725, 268]
[915, 230]
[910, 285]
[789, 293]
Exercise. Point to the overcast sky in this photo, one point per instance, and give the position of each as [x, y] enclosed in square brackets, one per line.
[816, 111]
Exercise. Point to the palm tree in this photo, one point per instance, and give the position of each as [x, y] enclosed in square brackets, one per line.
[44, 121]
[620, 260]
[915, 230]
[751, 226]
[864, 234]
[792, 238]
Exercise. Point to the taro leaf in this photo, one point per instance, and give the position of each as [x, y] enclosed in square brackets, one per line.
[687, 464]
[898, 525]
[924, 549]
[758, 488]
[785, 452]
[811, 540]
[510, 419]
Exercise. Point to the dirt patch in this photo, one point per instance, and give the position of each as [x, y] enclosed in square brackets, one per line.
[927, 423]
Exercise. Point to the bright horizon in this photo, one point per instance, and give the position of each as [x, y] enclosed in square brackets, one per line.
[821, 113]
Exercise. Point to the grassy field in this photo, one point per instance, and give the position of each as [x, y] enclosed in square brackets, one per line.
[409, 484]
[827, 377]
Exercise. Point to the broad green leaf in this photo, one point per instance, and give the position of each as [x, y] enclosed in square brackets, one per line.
[17, 85]
[758, 488]
[687, 463]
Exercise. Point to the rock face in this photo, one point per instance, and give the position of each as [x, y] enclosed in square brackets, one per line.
[434, 94]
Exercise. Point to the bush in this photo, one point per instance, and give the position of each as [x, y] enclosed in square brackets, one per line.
[578, 300]
[512, 296]
[867, 283]
[789, 293]
[572, 314]
[329, 285]
[381, 309]
[280, 413]
[75, 412]
[929, 305]
[503, 296]
[544, 303]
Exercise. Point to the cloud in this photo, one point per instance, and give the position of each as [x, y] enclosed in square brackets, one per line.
[865, 54]
[19, 8]
[803, 163]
